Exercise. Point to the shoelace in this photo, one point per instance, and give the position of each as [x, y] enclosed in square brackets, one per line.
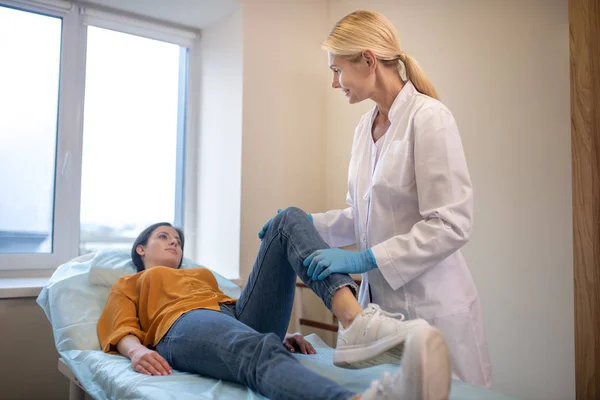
[374, 309]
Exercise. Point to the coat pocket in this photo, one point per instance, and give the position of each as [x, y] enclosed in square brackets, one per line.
[398, 167]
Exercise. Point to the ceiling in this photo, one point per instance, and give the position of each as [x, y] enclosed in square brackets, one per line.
[190, 13]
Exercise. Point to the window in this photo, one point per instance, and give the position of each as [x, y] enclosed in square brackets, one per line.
[92, 134]
[133, 108]
[31, 44]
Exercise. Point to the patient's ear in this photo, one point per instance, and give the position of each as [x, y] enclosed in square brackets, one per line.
[140, 250]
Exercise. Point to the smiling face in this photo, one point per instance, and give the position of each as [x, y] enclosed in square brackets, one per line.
[164, 248]
[354, 77]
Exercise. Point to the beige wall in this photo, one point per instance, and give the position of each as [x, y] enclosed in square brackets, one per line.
[503, 69]
[219, 145]
[28, 358]
[284, 139]
[284, 112]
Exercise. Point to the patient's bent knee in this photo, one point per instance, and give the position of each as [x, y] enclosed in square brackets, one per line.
[294, 212]
[291, 216]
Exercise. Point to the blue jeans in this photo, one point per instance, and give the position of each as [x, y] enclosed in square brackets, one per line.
[243, 343]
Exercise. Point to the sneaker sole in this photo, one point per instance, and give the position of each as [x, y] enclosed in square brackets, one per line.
[428, 365]
[384, 351]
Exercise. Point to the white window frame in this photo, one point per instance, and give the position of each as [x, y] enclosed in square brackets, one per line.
[69, 149]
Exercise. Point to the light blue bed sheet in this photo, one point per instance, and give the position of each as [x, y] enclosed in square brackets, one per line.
[107, 376]
[74, 298]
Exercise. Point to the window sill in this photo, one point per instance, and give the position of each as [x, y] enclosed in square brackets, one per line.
[11, 288]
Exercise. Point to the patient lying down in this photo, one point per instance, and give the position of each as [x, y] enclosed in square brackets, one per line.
[165, 318]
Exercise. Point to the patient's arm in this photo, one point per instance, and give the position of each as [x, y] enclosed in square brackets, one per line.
[128, 344]
[119, 330]
[143, 359]
[119, 319]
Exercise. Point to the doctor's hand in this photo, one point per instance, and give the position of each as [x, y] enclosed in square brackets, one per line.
[295, 342]
[323, 263]
[263, 230]
[149, 362]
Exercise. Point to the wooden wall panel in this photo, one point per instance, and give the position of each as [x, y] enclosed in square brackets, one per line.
[584, 23]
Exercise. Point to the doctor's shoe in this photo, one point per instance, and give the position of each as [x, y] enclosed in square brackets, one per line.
[373, 338]
[425, 374]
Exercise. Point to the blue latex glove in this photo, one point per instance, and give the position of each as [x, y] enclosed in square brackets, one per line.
[323, 263]
[261, 233]
[263, 230]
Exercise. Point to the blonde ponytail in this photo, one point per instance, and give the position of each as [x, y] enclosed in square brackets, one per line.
[368, 30]
[417, 76]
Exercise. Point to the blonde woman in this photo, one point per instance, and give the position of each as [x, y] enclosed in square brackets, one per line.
[410, 200]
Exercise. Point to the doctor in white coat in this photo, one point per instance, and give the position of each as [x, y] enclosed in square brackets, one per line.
[410, 200]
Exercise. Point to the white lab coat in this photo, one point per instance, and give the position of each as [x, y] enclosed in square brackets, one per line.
[414, 210]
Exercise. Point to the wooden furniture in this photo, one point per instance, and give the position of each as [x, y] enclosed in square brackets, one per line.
[584, 48]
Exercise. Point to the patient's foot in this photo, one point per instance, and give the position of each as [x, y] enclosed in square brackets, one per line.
[373, 338]
[425, 373]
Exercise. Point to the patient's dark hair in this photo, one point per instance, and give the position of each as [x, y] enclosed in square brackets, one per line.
[143, 240]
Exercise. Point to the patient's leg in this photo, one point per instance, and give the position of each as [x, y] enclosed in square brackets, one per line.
[366, 338]
[266, 302]
[216, 345]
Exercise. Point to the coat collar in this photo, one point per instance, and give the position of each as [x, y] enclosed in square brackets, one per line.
[407, 91]
[405, 94]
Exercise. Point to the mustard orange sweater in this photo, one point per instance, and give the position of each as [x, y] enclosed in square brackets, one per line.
[148, 303]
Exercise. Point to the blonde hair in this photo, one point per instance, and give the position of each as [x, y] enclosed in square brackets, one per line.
[368, 30]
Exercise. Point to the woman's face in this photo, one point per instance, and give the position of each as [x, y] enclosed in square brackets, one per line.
[353, 78]
[163, 248]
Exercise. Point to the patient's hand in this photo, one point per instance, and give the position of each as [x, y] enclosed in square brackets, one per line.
[149, 362]
[296, 342]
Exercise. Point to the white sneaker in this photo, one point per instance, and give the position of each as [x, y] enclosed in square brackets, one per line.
[373, 338]
[426, 373]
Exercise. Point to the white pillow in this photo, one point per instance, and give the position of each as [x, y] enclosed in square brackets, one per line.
[109, 265]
